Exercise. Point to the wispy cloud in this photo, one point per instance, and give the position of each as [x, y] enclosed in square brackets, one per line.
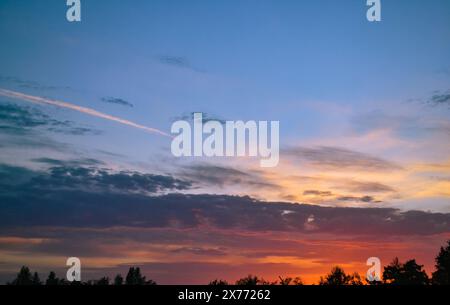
[440, 98]
[340, 158]
[117, 101]
[20, 120]
[362, 186]
[205, 117]
[318, 193]
[177, 61]
[30, 84]
[358, 199]
[180, 62]
[85, 110]
[208, 174]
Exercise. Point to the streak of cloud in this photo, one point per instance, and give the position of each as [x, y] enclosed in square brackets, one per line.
[85, 110]
[340, 159]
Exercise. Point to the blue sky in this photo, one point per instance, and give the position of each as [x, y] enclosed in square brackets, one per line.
[257, 54]
[319, 67]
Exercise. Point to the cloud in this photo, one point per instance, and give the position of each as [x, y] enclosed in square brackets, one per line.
[340, 158]
[85, 110]
[86, 197]
[357, 199]
[72, 163]
[205, 117]
[403, 129]
[180, 62]
[201, 251]
[68, 175]
[27, 84]
[13, 175]
[20, 120]
[375, 120]
[362, 186]
[177, 61]
[17, 119]
[71, 209]
[318, 193]
[208, 174]
[357, 187]
[117, 101]
[436, 98]
[440, 98]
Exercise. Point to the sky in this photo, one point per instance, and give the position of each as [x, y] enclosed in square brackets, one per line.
[86, 110]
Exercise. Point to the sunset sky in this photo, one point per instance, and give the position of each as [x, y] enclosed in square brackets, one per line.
[86, 168]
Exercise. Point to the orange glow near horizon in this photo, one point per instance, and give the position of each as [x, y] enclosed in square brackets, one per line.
[235, 255]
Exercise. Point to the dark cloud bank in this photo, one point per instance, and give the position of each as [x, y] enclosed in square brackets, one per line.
[82, 196]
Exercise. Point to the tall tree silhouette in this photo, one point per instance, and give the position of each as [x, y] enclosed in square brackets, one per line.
[36, 280]
[118, 280]
[134, 277]
[442, 274]
[52, 279]
[337, 276]
[24, 277]
[409, 273]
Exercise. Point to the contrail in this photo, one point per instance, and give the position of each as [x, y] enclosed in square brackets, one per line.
[89, 111]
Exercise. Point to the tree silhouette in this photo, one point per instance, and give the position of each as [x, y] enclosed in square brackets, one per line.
[218, 282]
[150, 282]
[396, 273]
[409, 273]
[250, 280]
[337, 277]
[290, 281]
[374, 282]
[442, 274]
[104, 281]
[52, 279]
[24, 277]
[134, 277]
[36, 280]
[355, 280]
[118, 280]
[392, 272]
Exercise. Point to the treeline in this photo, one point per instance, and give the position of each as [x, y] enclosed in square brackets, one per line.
[396, 273]
[134, 277]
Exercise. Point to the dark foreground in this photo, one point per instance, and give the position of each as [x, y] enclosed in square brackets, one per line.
[227, 294]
